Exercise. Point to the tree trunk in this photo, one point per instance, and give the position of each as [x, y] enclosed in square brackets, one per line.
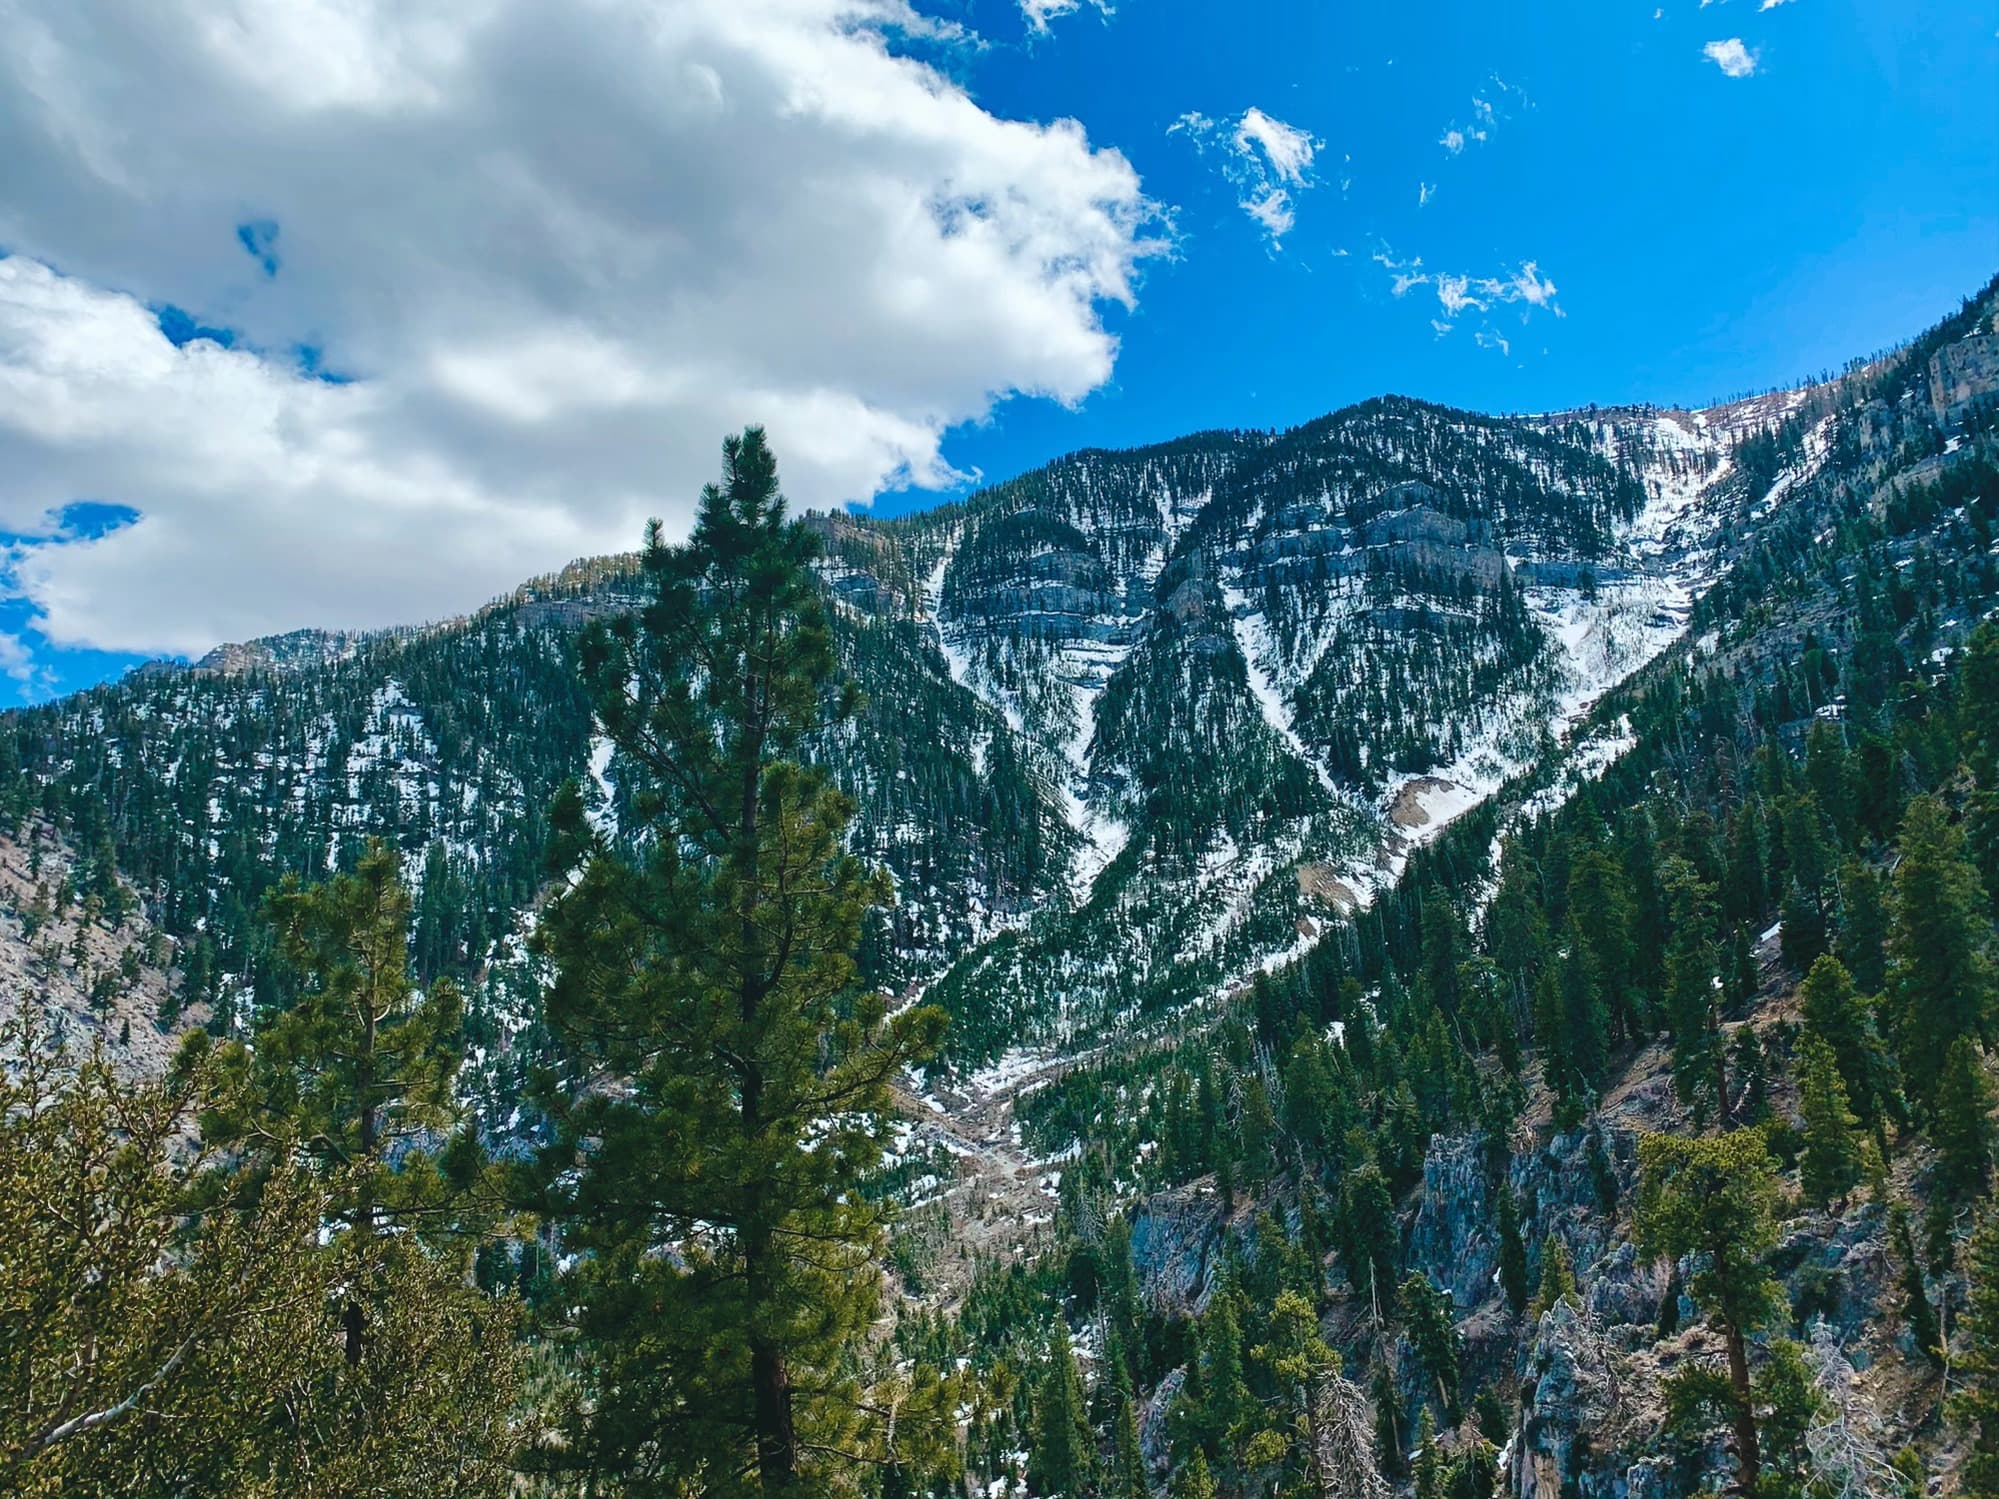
[1725, 1114]
[777, 1445]
[770, 1372]
[1749, 1457]
[353, 1316]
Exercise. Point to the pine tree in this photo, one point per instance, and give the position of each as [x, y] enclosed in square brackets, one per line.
[1940, 978]
[1130, 1475]
[1372, 1243]
[1831, 1162]
[1429, 1461]
[1699, 1060]
[1961, 1125]
[1916, 1308]
[1512, 1251]
[1788, 1402]
[1716, 1198]
[706, 959]
[360, 1069]
[1064, 1457]
[1226, 1403]
[1600, 903]
[1558, 1277]
[1390, 1421]
[1836, 1015]
[1975, 1406]
[1749, 1063]
[1193, 1481]
[1863, 925]
[1434, 1336]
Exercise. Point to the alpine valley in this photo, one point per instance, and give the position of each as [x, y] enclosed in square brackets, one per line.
[1340, 853]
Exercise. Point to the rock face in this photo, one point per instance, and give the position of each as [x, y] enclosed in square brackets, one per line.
[1567, 1388]
[1962, 375]
[87, 974]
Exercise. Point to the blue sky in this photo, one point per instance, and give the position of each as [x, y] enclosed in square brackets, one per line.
[287, 343]
[1706, 234]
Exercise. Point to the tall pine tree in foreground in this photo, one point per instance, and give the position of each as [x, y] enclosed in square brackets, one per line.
[727, 1082]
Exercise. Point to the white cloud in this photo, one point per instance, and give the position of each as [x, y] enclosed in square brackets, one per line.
[1425, 191]
[1264, 159]
[558, 260]
[1273, 210]
[1772, 4]
[1456, 293]
[1038, 13]
[1485, 116]
[1486, 338]
[1288, 149]
[17, 661]
[1734, 59]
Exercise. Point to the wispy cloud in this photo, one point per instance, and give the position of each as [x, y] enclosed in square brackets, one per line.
[1425, 191]
[1038, 13]
[1458, 293]
[1264, 159]
[1525, 287]
[1734, 59]
[1489, 106]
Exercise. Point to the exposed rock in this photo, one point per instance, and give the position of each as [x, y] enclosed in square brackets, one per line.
[1964, 374]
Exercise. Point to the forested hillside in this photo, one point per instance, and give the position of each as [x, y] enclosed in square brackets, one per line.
[1424, 953]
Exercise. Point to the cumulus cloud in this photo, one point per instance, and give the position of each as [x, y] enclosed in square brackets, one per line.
[550, 258]
[1264, 159]
[1734, 59]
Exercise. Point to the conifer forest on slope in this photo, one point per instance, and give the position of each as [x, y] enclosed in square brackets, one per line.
[1421, 954]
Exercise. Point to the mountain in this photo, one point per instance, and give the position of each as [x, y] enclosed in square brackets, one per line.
[1182, 703]
[1337, 850]
[1140, 724]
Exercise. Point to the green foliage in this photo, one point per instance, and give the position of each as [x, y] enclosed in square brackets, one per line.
[1512, 1251]
[1975, 1406]
[1193, 1481]
[159, 1328]
[710, 966]
[1558, 1276]
[1716, 1199]
[1831, 1163]
[1434, 1336]
[1960, 1124]
[1917, 1311]
[1692, 1009]
[1940, 978]
[1063, 1464]
[1839, 1018]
